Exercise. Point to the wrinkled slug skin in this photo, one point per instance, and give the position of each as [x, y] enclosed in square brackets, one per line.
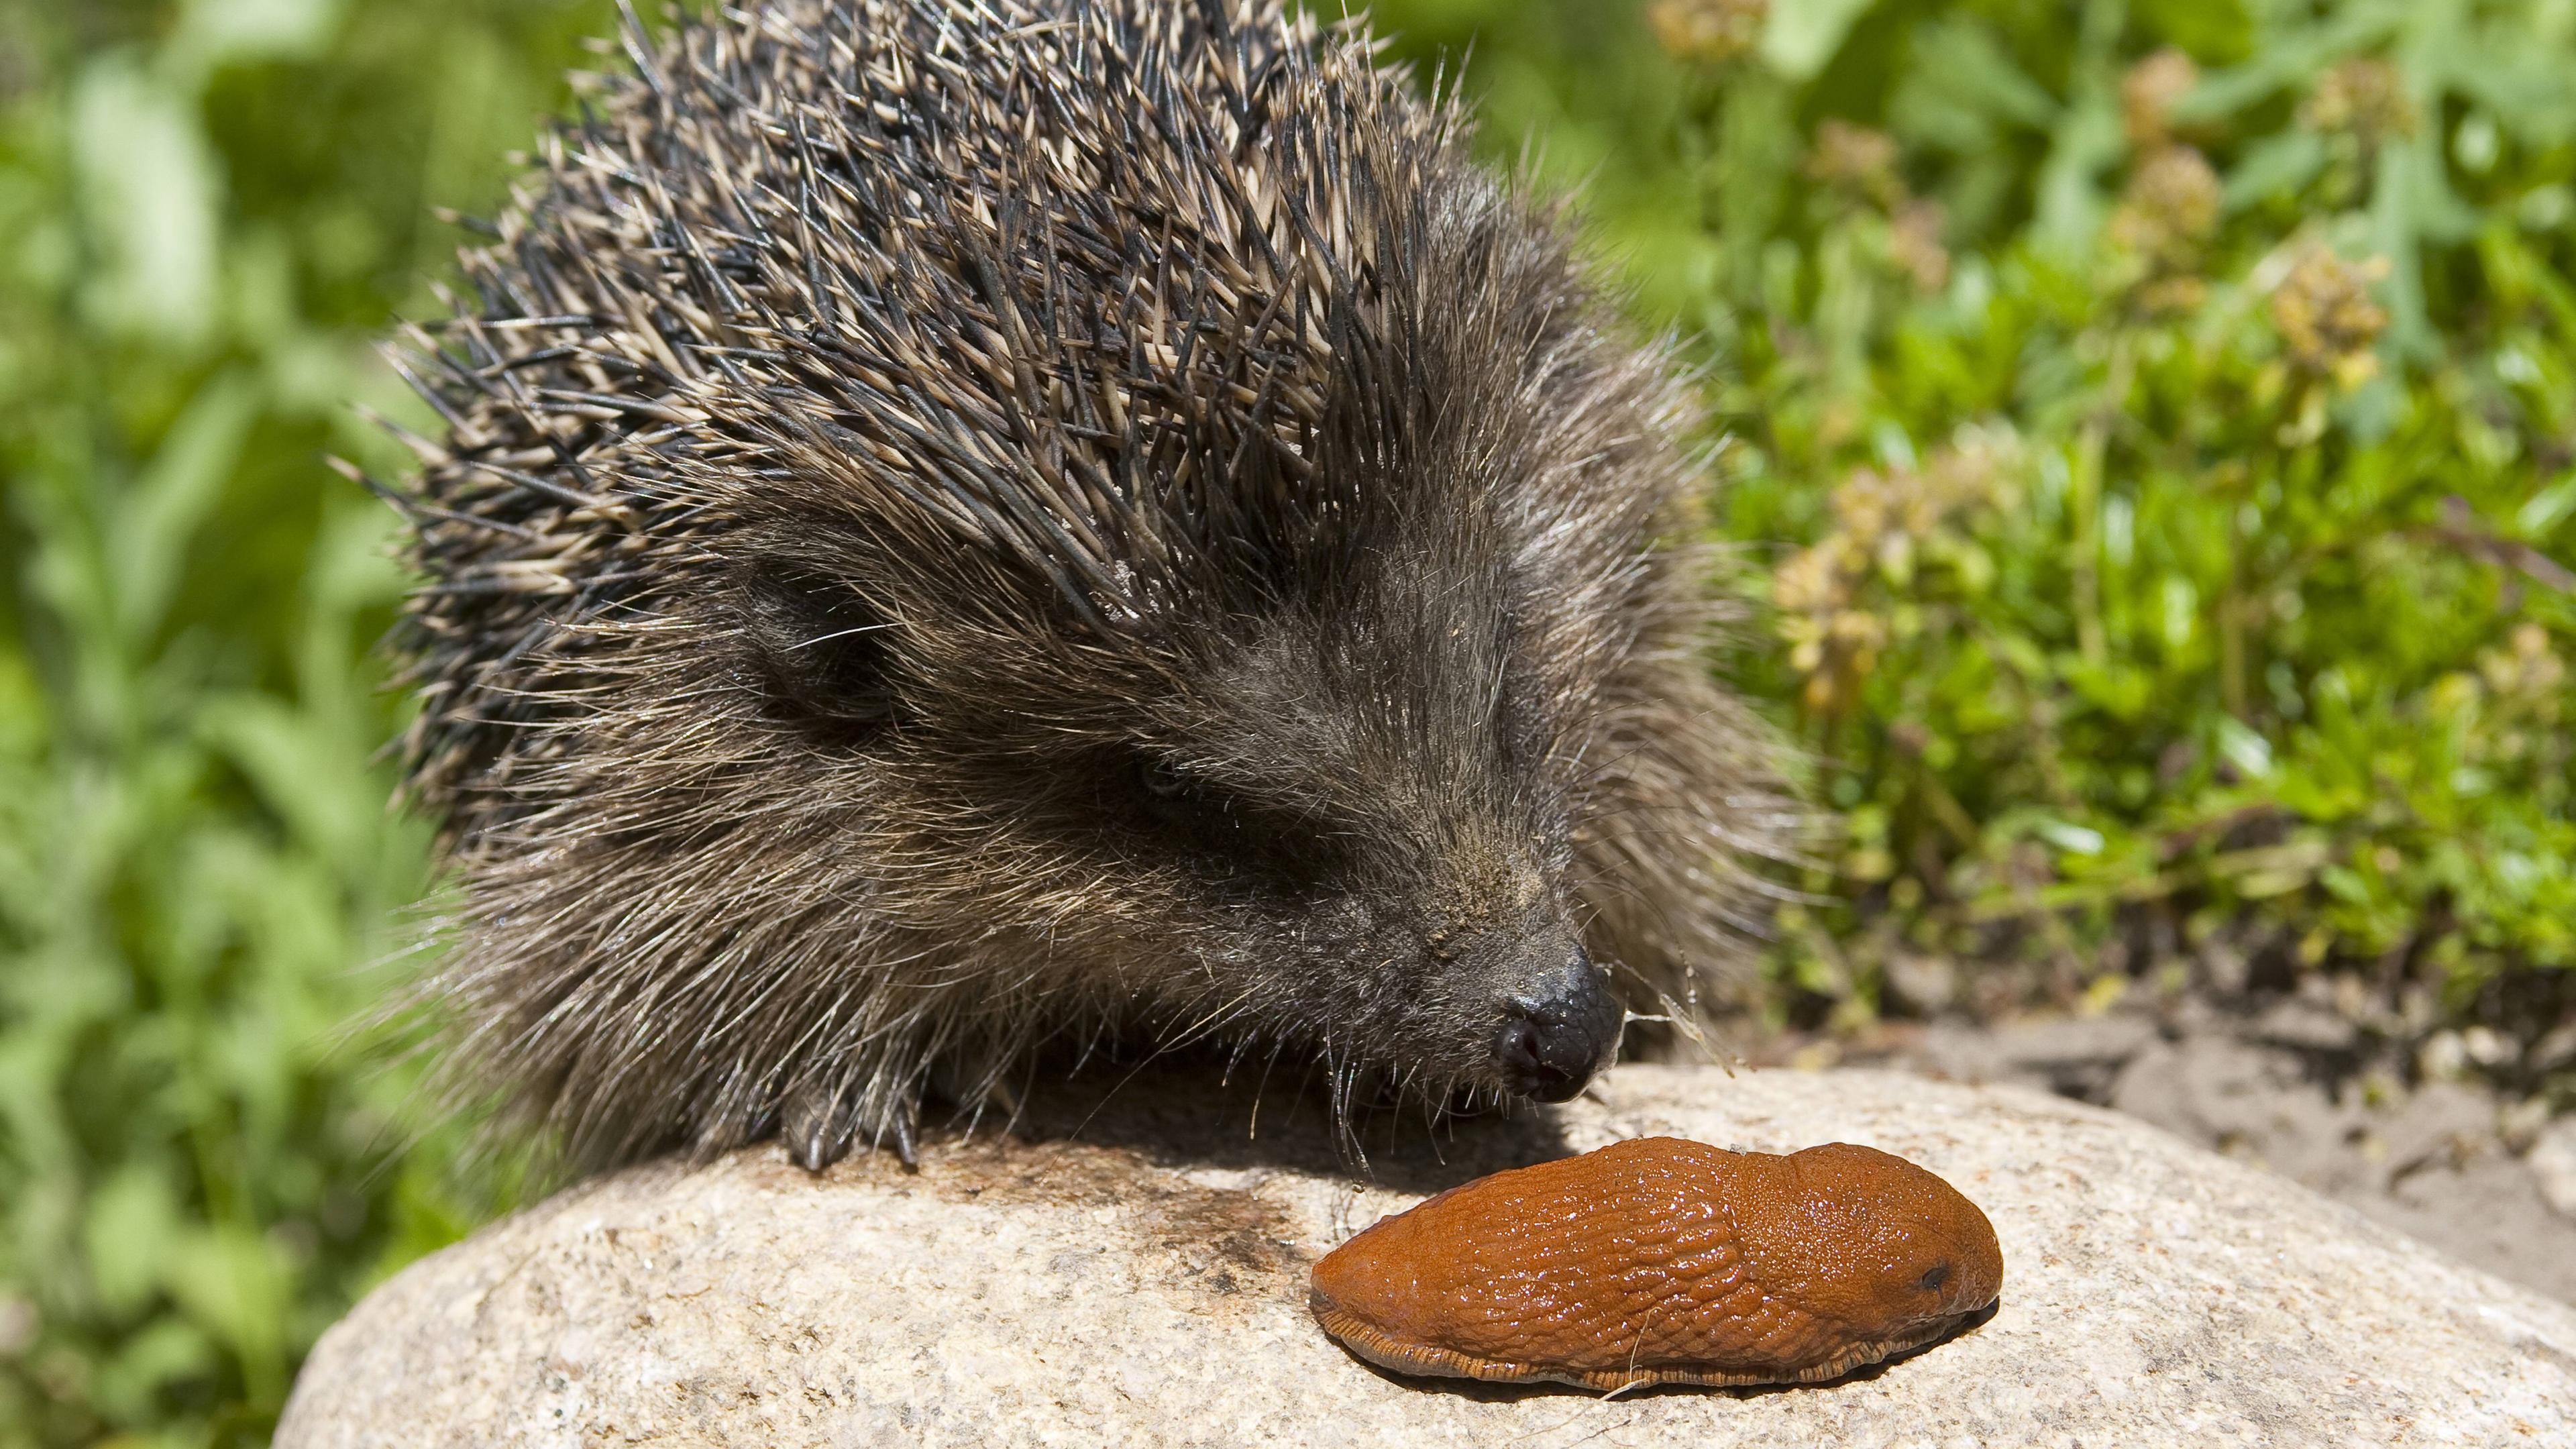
[1665, 1261]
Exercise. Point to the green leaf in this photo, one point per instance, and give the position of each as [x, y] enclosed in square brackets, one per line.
[133, 1230]
[165, 1352]
[235, 1285]
[2213, 32]
[1960, 60]
[221, 32]
[1803, 34]
[173, 498]
[2275, 168]
[2070, 200]
[2244, 749]
[150, 187]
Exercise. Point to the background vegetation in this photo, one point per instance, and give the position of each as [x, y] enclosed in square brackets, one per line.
[2152, 427]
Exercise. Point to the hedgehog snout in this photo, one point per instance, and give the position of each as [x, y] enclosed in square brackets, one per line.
[1558, 1035]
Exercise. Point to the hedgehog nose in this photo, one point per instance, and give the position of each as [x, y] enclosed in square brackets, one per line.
[1565, 1029]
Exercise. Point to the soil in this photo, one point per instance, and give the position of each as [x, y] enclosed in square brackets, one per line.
[2418, 1141]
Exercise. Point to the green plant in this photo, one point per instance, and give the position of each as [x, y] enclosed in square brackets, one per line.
[206, 212]
[2170, 407]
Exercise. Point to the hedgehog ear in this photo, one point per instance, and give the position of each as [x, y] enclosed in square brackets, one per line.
[818, 650]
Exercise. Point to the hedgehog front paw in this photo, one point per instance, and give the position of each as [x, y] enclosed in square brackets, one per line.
[821, 1124]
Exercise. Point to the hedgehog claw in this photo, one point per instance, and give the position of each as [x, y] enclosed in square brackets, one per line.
[815, 1152]
[820, 1127]
[818, 1136]
[816, 1129]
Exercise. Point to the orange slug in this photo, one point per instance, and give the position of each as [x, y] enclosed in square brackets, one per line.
[1665, 1261]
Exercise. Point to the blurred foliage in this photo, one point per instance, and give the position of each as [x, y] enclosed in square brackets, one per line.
[2169, 403]
[2152, 420]
[207, 211]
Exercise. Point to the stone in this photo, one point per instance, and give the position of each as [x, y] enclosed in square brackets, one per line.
[1135, 1275]
[2552, 1160]
[1927, 983]
[2296, 1089]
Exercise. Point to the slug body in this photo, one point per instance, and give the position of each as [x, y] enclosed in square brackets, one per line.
[1665, 1261]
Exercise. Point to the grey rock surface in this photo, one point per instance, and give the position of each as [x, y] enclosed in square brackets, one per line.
[2298, 1089]
[1141, 1282]
[2553, 1162]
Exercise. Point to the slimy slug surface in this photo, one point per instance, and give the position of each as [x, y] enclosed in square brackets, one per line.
[1665, 1261]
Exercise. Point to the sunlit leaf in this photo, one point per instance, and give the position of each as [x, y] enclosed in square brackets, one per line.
[150, 188]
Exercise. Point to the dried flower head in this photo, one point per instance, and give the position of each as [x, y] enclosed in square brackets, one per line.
[2324, 312]
[1859, 161]
[1708, 32]
[2172, 296]
[2169, 210]
[2526, 670]
[2148, 92]
[1811, 580]
[2363, 97]
[1881, 520]
[1914, 244]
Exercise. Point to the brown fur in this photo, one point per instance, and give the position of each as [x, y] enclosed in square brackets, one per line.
[968, 522]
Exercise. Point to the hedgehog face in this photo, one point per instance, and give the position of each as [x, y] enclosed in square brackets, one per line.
[1357, 810]
[1343, 822]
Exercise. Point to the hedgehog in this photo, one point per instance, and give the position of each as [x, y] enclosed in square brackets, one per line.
[971, 527]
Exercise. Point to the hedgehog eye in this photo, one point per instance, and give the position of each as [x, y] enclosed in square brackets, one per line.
[1228, 835]
[1186, 802]
[1161, 780]
[1933, 1278]
[821, 653]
